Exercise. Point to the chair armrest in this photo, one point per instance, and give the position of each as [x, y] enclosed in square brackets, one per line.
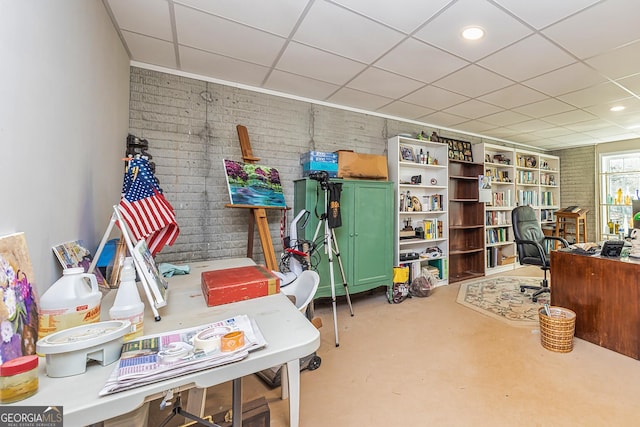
[564, 242]
[538, 246]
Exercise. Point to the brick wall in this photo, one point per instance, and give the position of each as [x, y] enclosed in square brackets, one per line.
[578, 174]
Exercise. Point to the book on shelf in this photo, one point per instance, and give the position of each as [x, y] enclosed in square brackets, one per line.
[572, 209]
[432, 228]
[498, 218]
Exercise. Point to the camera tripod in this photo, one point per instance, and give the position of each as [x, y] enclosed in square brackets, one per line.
[330, 247]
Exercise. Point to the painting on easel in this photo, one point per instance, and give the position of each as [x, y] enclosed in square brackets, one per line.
[253, 185]
[18, 311]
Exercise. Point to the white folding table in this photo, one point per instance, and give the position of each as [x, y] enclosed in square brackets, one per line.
[289, 335]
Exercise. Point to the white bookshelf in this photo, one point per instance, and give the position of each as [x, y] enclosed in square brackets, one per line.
[499, 163]
[431, 213]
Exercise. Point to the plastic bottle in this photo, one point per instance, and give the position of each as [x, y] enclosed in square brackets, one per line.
[128, 305]
[71, 301]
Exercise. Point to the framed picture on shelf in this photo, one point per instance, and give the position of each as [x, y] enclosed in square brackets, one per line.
[460, 150]
[407, 154]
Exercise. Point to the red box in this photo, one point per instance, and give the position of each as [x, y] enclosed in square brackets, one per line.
[238, 284]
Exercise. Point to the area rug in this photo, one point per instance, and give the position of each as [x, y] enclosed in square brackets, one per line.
[500, 298]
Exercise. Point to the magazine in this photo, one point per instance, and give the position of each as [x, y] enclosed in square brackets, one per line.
[154, 358]
[74, 254]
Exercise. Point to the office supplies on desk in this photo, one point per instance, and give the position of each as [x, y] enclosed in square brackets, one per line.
[612, 248]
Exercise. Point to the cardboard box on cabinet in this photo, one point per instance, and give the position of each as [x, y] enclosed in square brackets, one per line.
[362, 166]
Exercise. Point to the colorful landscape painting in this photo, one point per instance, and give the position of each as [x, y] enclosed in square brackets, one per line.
[253, 185]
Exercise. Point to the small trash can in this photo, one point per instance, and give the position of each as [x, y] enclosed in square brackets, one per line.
[557, 329]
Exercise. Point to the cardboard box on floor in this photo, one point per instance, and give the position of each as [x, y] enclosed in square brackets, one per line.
[354, 165]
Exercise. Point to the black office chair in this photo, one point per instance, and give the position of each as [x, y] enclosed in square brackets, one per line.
[533, 245]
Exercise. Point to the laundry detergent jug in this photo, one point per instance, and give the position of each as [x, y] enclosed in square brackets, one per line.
[73, 300]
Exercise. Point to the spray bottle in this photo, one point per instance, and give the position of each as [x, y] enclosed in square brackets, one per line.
[128, 305]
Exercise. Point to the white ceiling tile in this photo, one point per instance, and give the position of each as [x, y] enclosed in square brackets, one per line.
[303, 60]
[300, 86]
[551, 132]
[541, 13]
[349, 34]
[604, 92]
[513, 96]
[575, 138]
[434, 97]
[475, 126]
[518, 61]
[603, 110]
[620, 137]
[406, 110]
[569, 117]
[606, 25]
[631, 83]
[375, 80]
[503, 132]
[229, 69]
[418, 60]
[149, 17]
[473, 81]
[530, 126]
[473, 109]
[544, 108]
[568, 79]
[231, 40]
[357, 99]
[150, 50]
[608, 132]
[588, 125]
[627, 121]
[404, 15]
[440, 118]
[622, 62]
[525, 138]
[276, 16]
[505, 118]
[500, 29]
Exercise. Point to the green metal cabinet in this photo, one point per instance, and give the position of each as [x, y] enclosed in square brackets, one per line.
[365, 239]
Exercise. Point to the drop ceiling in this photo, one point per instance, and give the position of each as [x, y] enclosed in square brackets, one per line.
[545, 74]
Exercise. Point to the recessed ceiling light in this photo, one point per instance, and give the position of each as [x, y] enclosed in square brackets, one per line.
[472, 33]
[617, 108]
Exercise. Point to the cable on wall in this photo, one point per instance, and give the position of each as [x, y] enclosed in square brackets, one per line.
[312, 125]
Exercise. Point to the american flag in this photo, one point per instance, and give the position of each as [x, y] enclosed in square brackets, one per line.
[144, 208]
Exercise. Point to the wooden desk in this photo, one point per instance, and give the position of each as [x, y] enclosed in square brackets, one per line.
[564, 219]
[289, 335]
[605, 295]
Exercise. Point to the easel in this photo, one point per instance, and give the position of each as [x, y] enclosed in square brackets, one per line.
[258, 214]
[154, 299]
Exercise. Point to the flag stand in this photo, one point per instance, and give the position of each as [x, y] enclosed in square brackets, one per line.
[154, 296]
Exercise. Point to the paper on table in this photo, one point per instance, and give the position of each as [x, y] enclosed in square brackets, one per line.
[141, 361]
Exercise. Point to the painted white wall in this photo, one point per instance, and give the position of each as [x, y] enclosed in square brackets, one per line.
[64, 113]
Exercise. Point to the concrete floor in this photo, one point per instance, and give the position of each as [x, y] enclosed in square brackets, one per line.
[432, 362]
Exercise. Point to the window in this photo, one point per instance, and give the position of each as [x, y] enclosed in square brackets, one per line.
[619, 193]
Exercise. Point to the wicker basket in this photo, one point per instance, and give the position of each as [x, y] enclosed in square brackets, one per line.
[556, 331]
